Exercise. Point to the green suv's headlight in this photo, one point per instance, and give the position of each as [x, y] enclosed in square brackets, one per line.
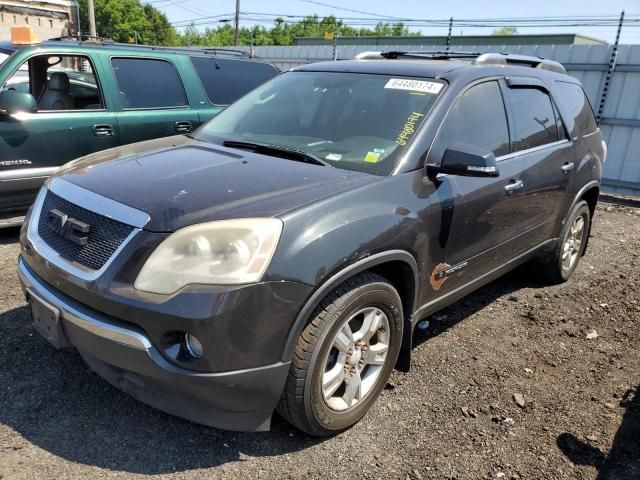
[226, 252]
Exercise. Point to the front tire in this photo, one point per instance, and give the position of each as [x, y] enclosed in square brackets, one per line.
[344, 356]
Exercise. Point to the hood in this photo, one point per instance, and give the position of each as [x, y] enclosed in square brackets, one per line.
[179, 181]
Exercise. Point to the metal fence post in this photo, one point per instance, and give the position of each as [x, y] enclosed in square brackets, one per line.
[610, 70]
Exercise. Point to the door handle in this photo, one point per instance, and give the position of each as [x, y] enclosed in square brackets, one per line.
[514, 186]
[183, 127]
[103, 130]
[567, 167]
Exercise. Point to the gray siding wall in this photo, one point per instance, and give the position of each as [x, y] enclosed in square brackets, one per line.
[588, 63]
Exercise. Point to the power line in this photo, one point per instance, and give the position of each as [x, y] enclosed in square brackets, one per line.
[347, 9]
[264, 18]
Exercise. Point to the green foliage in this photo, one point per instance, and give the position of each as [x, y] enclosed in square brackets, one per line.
[121, 20]
[505, 31]
[283, 33]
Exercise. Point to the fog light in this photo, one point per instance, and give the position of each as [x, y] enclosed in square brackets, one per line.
[193, 345]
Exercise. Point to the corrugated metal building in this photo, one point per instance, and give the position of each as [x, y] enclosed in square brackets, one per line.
[558, 39]
[48, 19]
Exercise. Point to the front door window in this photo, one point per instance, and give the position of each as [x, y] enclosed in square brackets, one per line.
[58, 83]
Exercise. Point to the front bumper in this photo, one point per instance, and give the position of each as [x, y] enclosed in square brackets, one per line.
[125, 356]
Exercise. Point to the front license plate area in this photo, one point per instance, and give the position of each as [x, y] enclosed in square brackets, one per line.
[46, 319]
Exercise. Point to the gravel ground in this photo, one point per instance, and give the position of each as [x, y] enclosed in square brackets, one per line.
[516, 381]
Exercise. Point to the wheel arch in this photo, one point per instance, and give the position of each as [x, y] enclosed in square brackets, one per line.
[589, 193]
[399, 267]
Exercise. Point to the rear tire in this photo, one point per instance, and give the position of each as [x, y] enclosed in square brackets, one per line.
[344, 356]
[559, 264]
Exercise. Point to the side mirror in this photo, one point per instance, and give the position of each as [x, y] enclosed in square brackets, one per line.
[466, 160]
[13, 102]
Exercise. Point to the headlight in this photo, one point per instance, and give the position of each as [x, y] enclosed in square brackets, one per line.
[227, 252]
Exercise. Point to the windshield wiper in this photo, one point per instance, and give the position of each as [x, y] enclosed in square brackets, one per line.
[277, 151]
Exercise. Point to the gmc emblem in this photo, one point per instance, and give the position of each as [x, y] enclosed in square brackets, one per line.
[73, 230]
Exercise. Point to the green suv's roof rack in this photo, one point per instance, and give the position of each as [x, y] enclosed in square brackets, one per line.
[479, 58]
[81, 38]
[108, 42]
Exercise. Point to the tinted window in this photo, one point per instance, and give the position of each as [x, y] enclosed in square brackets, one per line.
[578, 109]
[145, 83]
[227, 80]
[478, 118]
[534, 120]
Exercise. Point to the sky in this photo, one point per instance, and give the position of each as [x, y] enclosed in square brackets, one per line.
[182, 10]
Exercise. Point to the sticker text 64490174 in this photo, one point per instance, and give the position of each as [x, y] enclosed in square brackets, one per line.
[422, 86]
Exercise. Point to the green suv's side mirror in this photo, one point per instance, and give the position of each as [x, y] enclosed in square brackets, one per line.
[466, 160]
[13, 102]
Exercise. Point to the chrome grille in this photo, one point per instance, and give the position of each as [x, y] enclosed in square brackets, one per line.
[105, 236]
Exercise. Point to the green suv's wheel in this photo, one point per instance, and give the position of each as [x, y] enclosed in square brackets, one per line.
[563, 260]
[344, 357]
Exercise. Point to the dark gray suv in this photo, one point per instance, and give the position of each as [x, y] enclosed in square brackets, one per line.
[280, 257]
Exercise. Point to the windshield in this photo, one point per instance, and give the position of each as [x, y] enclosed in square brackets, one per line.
[3, 57]
[353, 121]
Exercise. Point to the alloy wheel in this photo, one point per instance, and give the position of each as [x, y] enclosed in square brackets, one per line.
[572, 244]
[355, 359]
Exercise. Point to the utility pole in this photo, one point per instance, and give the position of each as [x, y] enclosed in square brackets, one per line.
[237, 23]
[92, 19]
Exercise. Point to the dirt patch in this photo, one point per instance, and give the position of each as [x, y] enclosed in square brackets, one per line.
[515, 381]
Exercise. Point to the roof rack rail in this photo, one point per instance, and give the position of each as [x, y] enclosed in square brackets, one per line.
[369, 55]
[431, 54]
[81, 38]
[206, 50]
[523, 60]
[426, 54]
[107, 41]
[479, 58]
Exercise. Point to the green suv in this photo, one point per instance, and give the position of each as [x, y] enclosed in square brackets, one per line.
[65, 98]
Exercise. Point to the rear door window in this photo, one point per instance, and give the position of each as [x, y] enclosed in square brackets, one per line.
[534, 121]
[578, 109]
[148, 83]
[226, 80]
[477, 118]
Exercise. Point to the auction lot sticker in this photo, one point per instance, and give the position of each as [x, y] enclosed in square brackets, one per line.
[414, 85]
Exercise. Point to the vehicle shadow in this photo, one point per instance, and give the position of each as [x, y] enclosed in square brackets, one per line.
[505, 286]
[622, 462]
[54, 402]
[9, 235]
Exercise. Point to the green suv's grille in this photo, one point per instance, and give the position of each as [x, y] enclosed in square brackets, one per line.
[105, 235]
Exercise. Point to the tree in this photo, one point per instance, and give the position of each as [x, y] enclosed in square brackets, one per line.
[283, 33]
[505, 31]
[122, 20]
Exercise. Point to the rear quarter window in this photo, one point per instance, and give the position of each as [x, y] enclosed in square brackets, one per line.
[576, 108]
[227, 80]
